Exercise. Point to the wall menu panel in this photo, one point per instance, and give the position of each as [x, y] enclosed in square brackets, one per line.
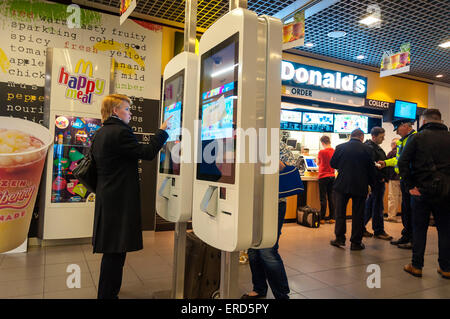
[28, 28]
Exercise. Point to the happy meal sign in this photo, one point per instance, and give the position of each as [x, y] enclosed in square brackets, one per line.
[81, 85]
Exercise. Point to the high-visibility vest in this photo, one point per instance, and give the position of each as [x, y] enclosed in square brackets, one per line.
[392, 162]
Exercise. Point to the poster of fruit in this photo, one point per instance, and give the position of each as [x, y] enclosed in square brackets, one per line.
[73, 138]
[395, 63]
[294, 32]
[126, 7]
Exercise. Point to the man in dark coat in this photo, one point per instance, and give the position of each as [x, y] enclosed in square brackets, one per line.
[356, 171]
[425, 169]
[117, 221]
[374, 203]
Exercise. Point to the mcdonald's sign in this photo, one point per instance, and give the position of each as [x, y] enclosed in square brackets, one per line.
[85, 65]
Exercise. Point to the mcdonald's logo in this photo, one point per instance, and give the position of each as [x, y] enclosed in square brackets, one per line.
[85, 66]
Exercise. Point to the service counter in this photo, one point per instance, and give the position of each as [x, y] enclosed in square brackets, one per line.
[311, 197]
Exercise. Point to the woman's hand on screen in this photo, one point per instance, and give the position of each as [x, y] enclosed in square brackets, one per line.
[165, 125]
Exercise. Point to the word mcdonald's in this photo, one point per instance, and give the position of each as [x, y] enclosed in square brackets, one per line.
[81, 87]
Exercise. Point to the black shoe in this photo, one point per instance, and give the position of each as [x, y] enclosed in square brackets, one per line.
[367, 234]
[405, 246]
[337, 243]
[247, 296]
[400, 241]
[383, 236]
[357, 246]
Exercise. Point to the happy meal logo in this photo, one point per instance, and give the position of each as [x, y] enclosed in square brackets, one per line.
[81, 87]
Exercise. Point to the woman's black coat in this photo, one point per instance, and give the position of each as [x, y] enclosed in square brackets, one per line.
[116, 151]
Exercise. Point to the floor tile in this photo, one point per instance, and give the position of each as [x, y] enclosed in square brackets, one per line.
[22, 260]
[336, 277]
[58, 257]
[75, 293]
[37, 296]
[21, 273]
[327, 293]
[129, 276]
[21, 287]
[54, 270]
[303, 283]
[58, 283]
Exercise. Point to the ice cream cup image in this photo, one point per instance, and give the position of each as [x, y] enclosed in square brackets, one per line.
[23, 149]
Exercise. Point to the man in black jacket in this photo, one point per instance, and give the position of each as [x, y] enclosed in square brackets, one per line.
[374, 203]
[425, 169]
[356, 171]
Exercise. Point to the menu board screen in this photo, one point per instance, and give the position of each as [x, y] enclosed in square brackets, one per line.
[290, 120]
[317, 122]
[346, 123]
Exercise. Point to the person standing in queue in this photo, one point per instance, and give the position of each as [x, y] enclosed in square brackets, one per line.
[405, 130]
[266, 264]
[374, 203]
[395, 194]
[117, 219]
[326, 180]
[425, 171]
[356, 171]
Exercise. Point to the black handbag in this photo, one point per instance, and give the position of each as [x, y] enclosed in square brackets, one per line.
[86, 170]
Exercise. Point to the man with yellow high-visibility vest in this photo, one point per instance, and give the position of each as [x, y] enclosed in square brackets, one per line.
[405, 130]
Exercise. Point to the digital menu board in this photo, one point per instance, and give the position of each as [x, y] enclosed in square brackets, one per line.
[290, 120]
[317, 122]
[172, 106]
[218, 111]
[346, 123]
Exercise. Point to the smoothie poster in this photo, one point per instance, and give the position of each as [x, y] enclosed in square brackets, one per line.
[395, 63]
[294, 32]
[73, 138]
[126, 7]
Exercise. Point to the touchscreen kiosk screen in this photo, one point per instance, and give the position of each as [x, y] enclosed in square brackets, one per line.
[345, 123]
[217, 110]
[317, 122]
[172, 106]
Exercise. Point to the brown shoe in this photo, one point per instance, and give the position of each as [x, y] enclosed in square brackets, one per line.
[413, 271]
[331, 221]
[322, 221]
[444, 274]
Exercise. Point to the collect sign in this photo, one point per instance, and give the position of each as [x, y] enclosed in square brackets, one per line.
[309, 77]
[379, 105]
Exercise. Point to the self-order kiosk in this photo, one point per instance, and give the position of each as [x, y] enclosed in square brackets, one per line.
[235, 199]
[176, 161]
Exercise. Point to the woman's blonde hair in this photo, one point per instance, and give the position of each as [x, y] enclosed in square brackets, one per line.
[110, 102]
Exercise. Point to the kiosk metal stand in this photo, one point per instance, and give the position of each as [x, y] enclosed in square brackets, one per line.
[229, 271]
[179, 256]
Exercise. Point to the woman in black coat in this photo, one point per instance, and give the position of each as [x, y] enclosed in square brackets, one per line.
[117, 221]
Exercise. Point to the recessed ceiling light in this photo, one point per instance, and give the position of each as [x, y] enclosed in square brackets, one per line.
[439, 76]
[445, 44]
[309, 45]
[360, 57]
[337, 34]
[369, 20]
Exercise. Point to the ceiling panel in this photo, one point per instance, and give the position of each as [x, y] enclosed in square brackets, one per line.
[423, 23]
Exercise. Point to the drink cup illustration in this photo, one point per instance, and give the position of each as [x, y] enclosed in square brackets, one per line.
[23, 149]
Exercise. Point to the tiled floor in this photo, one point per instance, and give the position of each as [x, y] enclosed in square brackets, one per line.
[314, 268]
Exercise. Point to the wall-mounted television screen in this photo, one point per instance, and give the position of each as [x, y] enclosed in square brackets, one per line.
[317, 122]
[405, 110]
[346, 123]
[290, 120]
